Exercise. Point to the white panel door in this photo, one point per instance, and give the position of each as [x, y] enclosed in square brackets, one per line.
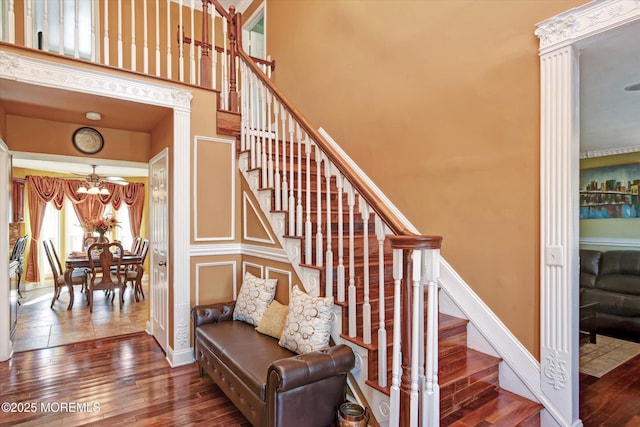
[158, 239]
[5, 206]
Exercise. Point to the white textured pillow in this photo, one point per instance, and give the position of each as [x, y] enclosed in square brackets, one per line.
[308, 323]
[255, 296]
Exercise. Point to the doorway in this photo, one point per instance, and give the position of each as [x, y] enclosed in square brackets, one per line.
[19, 73]
[562, 38]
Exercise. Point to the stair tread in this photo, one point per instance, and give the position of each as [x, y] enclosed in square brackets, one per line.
[497, 407]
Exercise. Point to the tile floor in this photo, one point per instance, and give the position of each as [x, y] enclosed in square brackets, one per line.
[40, 326]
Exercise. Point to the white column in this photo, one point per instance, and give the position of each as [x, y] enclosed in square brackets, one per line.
[11, 22]
[105, 39]
[559, 157]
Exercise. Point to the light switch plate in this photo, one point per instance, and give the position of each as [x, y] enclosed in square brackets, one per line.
[553, 255]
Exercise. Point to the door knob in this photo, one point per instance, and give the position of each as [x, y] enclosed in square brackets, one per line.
[162, 263]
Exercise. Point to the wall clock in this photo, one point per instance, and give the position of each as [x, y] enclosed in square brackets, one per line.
[87, 140]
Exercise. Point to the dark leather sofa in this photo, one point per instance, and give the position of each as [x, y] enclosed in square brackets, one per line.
[269, 384]
[612, 279]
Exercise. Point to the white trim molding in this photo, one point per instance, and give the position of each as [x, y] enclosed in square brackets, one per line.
[559, 51]
[232, 200]
[611, 241]
[246, 200]
[201, 265]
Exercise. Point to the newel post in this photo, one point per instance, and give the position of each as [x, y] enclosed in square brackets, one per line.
[415, 264]
[235, 21]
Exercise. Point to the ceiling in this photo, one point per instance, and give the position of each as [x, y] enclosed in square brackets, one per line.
[609, 115]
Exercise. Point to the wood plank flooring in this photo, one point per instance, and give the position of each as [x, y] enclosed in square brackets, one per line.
[614, 399]
[111, 381]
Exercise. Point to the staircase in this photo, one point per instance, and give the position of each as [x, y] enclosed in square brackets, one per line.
[469, 384]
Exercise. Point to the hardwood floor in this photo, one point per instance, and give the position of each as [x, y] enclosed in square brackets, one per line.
[614, 399]
[122, 380]
[40, 326]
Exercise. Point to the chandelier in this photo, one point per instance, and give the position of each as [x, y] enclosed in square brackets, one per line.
[92, 188]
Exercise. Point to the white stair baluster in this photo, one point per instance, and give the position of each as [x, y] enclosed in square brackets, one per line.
[299, 195]
[351, 201]
[366, 306]
[105, 37]
[192, 46]
[431, 392]
[340, 270]
[285, 187]
[61, 27]
[267, 129]
[134, 52]
[76, 30]
[319, 249]
[307, 224]
[382, 332]
[120, 45]
[169, 42]
[277, 178]
[416, 318]
[262, 122]
[329, 254]
[292, 199]
[394, 392]
[145, 39]
[45, 27]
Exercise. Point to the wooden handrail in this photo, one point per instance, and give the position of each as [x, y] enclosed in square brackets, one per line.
[372, 199]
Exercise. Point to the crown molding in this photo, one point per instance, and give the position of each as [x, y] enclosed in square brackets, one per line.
[609, 152]
[584, 21]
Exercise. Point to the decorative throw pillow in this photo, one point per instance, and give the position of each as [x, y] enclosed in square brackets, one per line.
[255, 296]
[273, 318]
[308, 323]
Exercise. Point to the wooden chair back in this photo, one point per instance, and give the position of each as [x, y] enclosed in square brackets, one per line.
[135, 245]
[105, 264]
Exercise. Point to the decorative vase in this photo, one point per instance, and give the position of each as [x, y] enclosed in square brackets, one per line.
[101, 238]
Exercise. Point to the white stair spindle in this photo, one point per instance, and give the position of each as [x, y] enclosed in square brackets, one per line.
[416, 318]
[11, 22]
[366, 306]
[120, 45]
[299, 195]
[145, 39]
[224, 87]
[308, 244]
[60, 27]
[319, 237]
[105, 38]
[382, 332]
[394, 392]
[254, 146]
[292, 199]
[267, 127]
[134, 51]
[351, 201]
[28, 23]
[192, 53]
[94, 37]
[180, 43]
[157, 56]
[244, 99]
[76, 30]
[431, 392]
[277, 180]
[214, 52]
[340, 270]
[262, 121]
[45, 27]
[329, 254]
[169, 32]
[285, 187]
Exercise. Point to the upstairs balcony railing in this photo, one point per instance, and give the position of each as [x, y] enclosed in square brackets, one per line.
[326, 210]
[188, 41]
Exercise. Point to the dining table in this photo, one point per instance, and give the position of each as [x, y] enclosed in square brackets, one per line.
[81, 260]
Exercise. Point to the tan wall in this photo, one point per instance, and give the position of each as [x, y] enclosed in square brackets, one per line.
[49, 137]
[438, 102]
[3, 123]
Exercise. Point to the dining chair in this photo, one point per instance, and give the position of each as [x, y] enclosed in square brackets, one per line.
[135, 245]
[78, 276]
[105, 264]
[132, 273]
[17, 254]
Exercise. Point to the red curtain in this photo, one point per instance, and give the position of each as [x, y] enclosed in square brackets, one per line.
[43, 189]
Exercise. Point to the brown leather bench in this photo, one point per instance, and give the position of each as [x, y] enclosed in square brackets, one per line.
[269, 384]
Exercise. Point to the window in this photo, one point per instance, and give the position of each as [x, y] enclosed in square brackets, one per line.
[50, 231]
[123, 231]
[49, 14]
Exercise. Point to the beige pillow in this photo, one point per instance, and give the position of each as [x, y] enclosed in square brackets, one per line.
[272, 322]
[253, 299]
[308, 323]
